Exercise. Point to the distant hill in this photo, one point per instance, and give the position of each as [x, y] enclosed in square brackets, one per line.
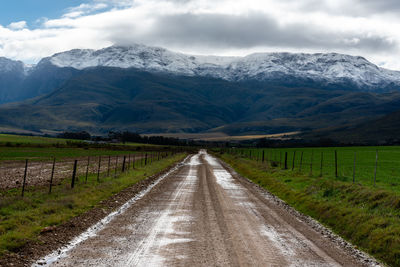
[153, 90]
[102, 99]
[382, 130]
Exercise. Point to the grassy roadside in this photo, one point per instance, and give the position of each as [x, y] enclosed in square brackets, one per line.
[367, 217]
[22, 219]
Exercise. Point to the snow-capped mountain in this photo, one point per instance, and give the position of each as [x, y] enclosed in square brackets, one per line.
[331, 68]
[8, 65]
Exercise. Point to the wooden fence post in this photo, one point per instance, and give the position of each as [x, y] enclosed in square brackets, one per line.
[98, 169]
[294, 157]
[354, 167]
[25, 173]
[87, 169]
[52, 175]
[376, 166]
[116, 164]
[109, 164]
[285, 160]
[336, 172]
[301, 160]
[123, 164]
[74, 174]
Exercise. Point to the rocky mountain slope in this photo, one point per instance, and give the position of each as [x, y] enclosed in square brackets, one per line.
[153, 90]
[325, 69]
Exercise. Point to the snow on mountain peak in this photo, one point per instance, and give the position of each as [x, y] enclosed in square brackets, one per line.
[330, 67]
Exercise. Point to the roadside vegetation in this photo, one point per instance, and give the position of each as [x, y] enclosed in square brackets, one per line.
[366, 215]
[26, 210]
[23, 218]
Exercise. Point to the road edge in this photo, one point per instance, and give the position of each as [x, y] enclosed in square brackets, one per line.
[357, 254]
[55, 239]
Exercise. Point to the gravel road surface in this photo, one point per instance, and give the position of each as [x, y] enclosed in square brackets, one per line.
[204, 214]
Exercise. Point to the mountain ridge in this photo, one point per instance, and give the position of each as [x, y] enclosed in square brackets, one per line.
[325, 68]
[150, 90]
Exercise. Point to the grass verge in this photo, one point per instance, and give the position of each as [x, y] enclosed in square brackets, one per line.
[22, 219]
[367, 217]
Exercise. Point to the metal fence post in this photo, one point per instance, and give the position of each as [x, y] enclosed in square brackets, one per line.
[376, 166]
[24, 182]
[87, 169]
[52, 175]
[301, 161]
[285, 160]
[123, 164]
[294, 157]
[74, 174]
[354, 167]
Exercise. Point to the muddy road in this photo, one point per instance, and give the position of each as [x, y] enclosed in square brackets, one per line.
[203, 214]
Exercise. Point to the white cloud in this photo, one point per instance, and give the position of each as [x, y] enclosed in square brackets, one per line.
[17, 25]
[223, 27]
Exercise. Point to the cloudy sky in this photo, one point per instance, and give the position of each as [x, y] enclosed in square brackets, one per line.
[30, 30]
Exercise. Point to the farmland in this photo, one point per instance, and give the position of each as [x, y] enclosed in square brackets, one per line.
[23, 218]
[352, 162]
[363, 213]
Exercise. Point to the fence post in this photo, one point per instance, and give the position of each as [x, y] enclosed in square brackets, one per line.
[87, 169]
[301, 160]
[312, 158]
[109, 164]
[74, 174]
[133, 162]
[336, 172]
[116, 164]
[145, 160]
[322, 159]
[129, 162]
[285, 160]
[294, 157]
[354, 167]
[123, 164]
[376, 166]
[52, 175]
[98, 169]
[24, 182]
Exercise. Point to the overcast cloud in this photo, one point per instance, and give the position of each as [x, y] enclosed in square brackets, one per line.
[359, 27]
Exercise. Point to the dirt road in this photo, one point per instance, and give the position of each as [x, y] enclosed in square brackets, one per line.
[204, 214]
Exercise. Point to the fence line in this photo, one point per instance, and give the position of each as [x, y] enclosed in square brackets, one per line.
[365, 166]
[79, 169]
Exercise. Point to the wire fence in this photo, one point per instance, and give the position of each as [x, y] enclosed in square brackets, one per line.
[80, 170]
[368, 166]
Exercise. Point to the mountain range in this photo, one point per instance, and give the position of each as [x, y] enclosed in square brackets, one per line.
[154, 90]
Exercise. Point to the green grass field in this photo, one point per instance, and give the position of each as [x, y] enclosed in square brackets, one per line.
[387, 171]
[19, 147]
[23, 139]
[367, 216]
